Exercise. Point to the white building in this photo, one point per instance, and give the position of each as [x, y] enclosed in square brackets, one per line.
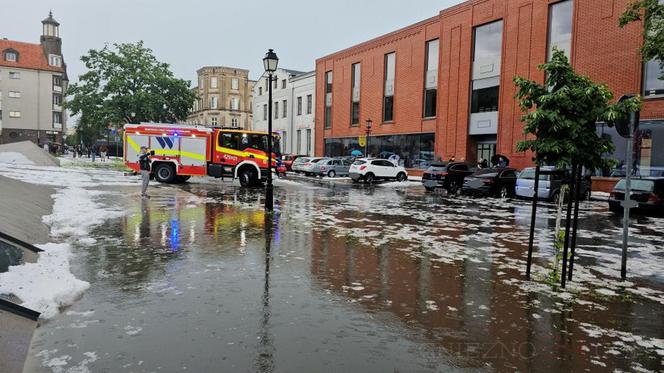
[293, 116]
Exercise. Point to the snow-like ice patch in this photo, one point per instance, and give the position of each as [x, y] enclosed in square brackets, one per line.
[46, 285]
[15, 158]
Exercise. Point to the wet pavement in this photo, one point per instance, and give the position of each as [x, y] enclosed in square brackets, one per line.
[352, 278]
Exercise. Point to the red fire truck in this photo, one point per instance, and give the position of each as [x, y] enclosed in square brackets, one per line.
[182, 151]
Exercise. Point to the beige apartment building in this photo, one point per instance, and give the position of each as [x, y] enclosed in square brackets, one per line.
[33, 81]
[224, 98]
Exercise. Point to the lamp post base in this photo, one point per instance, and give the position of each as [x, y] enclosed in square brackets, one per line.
[269, 197]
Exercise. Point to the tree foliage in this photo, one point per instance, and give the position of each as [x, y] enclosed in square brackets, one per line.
[651, 12]
[563, 113]
[127, 84]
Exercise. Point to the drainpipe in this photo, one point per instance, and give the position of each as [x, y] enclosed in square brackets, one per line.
[292, 115]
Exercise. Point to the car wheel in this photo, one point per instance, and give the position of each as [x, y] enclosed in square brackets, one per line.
[555, 197]
[331, 173]
[247, 177]
[165, 173]
[402, 177]
[503, 192]
[453, 187]
[369, 178]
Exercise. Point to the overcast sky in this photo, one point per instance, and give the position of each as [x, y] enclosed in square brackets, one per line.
[189, 34]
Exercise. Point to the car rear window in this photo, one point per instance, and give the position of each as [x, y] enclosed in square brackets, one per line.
[358, 162]
[636, 184]
[302, 160]
[529, 174]
[317, 160]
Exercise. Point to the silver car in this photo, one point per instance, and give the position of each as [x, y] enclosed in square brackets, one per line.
[333, 167]
[298, 163]
[310, 167]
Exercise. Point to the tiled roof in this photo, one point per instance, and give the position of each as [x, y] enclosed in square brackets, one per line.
[30, 56]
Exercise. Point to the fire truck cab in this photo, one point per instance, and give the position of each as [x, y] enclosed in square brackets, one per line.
[181, 151]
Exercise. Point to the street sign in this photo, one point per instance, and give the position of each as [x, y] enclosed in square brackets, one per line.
[629, 203]
[362, 140]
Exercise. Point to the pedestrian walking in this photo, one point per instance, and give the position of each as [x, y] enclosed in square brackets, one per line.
[103, 150]
[144, 164]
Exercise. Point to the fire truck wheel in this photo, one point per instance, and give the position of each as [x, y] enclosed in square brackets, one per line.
[165, 173]
[248, 177]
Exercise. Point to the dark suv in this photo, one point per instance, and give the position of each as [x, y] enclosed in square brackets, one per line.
[446, 175]
[648, 192]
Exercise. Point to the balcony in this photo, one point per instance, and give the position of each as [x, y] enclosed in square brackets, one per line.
[485, 123]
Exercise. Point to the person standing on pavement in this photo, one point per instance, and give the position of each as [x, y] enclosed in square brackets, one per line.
[103, 150]
[144, 165]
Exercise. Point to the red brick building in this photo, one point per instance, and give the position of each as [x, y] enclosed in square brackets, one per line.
[443, 87]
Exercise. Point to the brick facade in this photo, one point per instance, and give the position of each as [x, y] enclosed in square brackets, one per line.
[600, 49]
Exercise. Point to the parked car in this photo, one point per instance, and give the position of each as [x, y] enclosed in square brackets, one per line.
[310, 167]
[288, 160]
[494, 182]
[446, 175]
[297, 164]
[648, 192]
[549, 183]
[370, 170]
[334, 167]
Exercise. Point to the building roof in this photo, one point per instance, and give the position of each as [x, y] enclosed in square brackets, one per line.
[50, 19]
[304, 75]
[30, 56]
[292, 72]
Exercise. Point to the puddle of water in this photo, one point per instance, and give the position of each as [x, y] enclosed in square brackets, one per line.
[357, 279]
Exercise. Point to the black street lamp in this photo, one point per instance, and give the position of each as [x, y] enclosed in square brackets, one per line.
[270, 62]
[369, 122]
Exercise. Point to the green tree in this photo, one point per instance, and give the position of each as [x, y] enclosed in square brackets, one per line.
[562, 114]
[127, 84]
[651, 12]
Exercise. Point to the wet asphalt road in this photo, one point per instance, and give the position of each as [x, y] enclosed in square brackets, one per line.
[351, 278]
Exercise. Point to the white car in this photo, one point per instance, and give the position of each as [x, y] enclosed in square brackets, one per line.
[370, 170]
[310, 167]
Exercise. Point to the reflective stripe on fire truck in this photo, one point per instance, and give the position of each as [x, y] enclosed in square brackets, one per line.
[171, 152]
[240, 153]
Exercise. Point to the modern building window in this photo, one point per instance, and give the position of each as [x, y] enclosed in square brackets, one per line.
[299, 142]
[235, 103]
[57, 117]
[213, 102]
[214, 82]
[485, 99]
[14, 94]
[264, 111]
[355, 78]
[57, 80]
[560, 28]
[431, 78]
[276, 82]
[388, 93]
[309, 141]
[260, 91]
[14, 75]
[328, 99]
[57, 99]
[11, 56]
[276, 109]
[54, 60]
[267, 85]
[485, 84]
[235, 84]
[652, 84]
[284, 108]
[214, 121]
[14, 114]
[234, 122]
[310, 104]
[283, 84]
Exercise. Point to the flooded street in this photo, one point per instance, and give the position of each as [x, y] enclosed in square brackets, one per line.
[352, 278]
